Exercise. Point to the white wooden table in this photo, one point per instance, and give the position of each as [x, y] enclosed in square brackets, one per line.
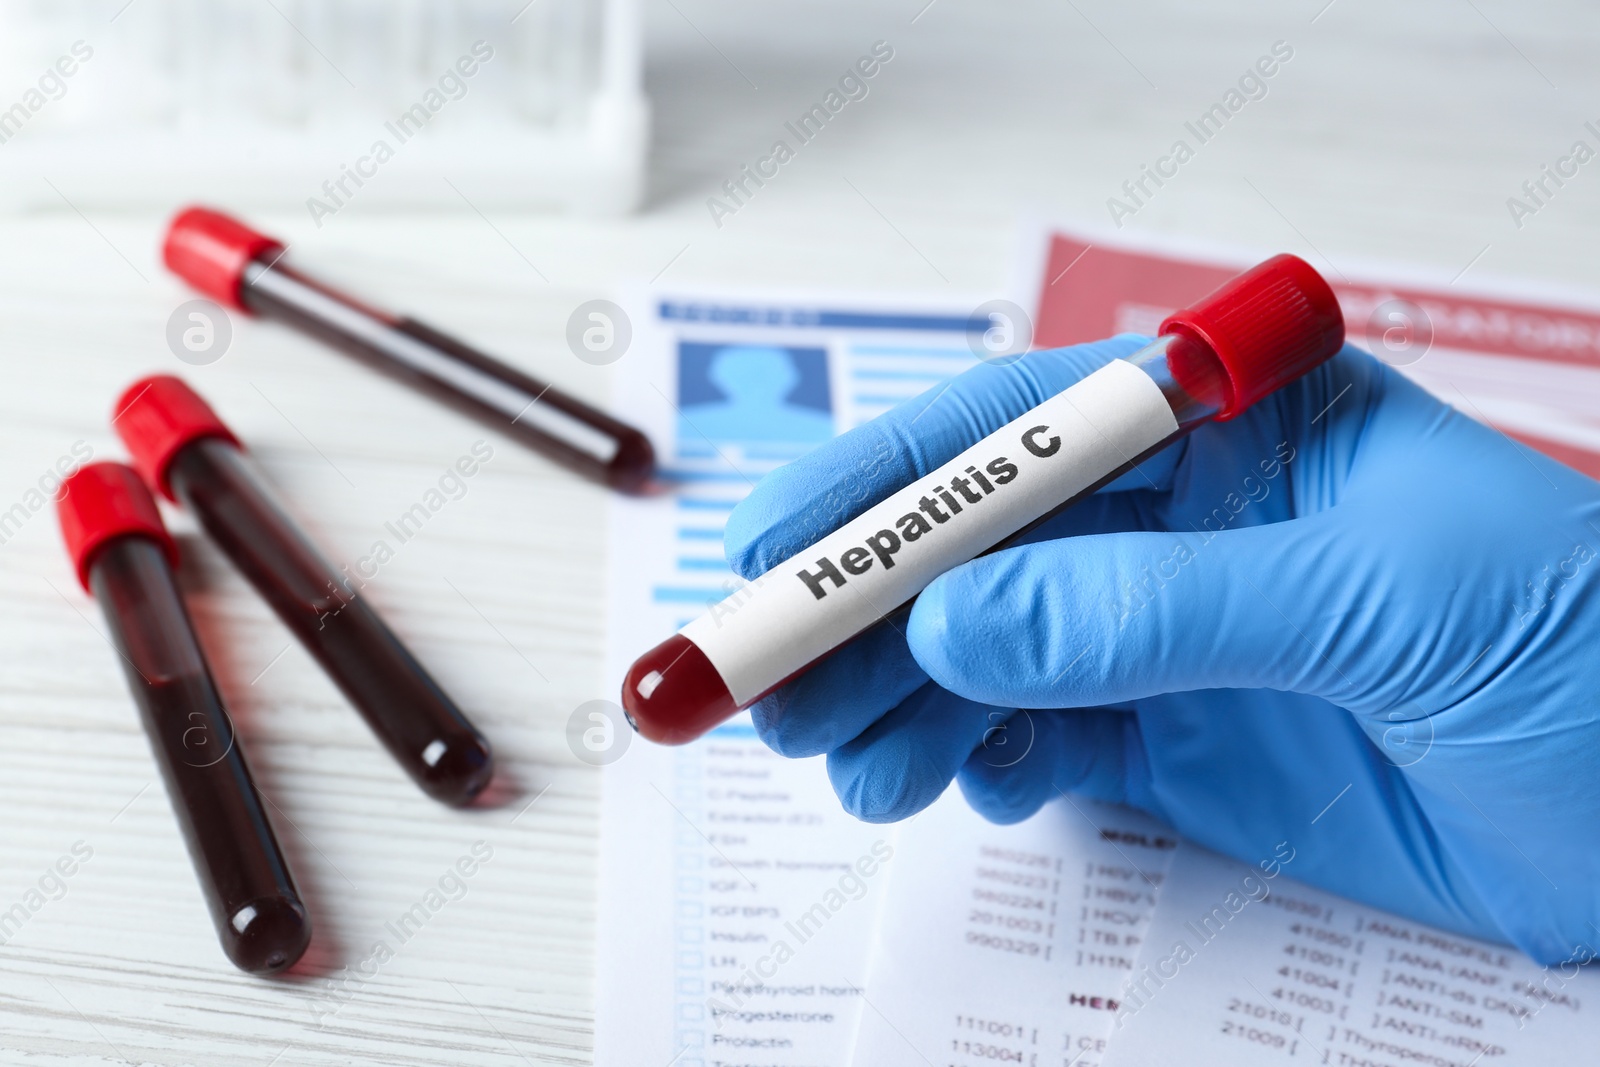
[1395, 132]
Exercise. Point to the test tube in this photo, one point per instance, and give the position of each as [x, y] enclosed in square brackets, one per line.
[186, 453]
[244, 270]
[124, 556]
[1259, 331]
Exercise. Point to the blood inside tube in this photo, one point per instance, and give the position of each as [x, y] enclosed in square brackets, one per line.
[254, 906]
[562, 427]
[625, 454]
[673, 694]
[407, 710]
[402, 704]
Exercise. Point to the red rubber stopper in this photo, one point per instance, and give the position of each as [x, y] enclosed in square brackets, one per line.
[210, 251]
[100, 503]
[157, 416]
[1267, 327]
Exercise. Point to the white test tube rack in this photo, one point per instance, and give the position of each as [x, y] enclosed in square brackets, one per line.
[263, 103]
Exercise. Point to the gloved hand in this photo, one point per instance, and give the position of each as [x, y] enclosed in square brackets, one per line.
[1352, 619]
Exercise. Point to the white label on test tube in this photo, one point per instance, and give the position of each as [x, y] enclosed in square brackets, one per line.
[815, 601]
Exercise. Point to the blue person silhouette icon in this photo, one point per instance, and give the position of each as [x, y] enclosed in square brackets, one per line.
[756, 393]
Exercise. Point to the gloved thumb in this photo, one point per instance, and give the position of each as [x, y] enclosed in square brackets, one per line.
[1108, 618]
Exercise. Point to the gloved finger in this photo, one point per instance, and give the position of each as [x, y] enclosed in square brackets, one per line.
[841, 696]
[794, 506]
[1105, 618]
[905, 760]
[1037, 756]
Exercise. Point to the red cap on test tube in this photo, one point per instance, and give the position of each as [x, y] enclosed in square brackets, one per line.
[115, 538]
[180, 445]
[210, 251]
[1211, 361]
[156, 417]
[1267, 327]
[112, 502]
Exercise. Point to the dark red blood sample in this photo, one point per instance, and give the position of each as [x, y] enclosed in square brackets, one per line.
[181, 447]
[673, 694]
[227, 260]
[123, 554]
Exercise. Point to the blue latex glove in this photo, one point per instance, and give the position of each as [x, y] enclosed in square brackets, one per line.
[1352, 619]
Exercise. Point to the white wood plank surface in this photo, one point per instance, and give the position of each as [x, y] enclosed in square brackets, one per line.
[1397, 131]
